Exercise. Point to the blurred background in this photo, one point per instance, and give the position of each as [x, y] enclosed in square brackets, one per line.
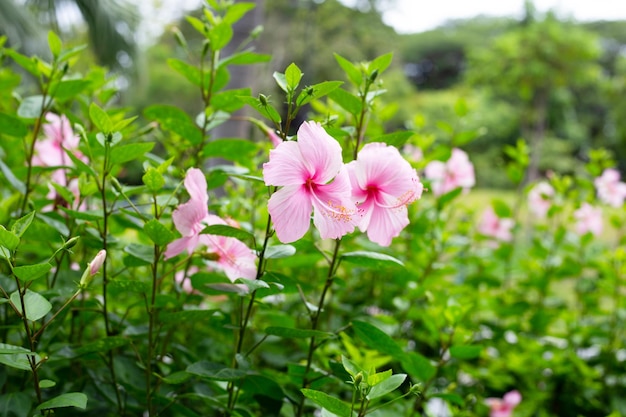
[551, 72]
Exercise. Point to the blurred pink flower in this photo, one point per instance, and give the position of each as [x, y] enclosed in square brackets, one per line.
[457, 172]
[59, 138]
[540, 199]
[182, 278]
[273, 137]
[495, 227]
[59, 177]
[588, 219]
[611, 190]
[313, 178]
[413, 153]
[234, 258]
[191, 217]
[503, 407]
[383, 184]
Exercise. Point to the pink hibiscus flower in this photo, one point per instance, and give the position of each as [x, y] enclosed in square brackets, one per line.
[191, 217]
[503, 407]
[495, 227]
[611, 190]
[383, 184]
[59, 138]
[313, 179]
[457, 172]
[588, 219]
[540, 199]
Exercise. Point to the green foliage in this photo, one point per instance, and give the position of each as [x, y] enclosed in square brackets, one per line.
[109, 306]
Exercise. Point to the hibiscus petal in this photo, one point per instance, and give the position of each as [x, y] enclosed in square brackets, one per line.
[195, 184]
[321, 152]
[188, 217]
[286, 166]
[334, 210]
[290, 209]
[179, 245]
[385, 224]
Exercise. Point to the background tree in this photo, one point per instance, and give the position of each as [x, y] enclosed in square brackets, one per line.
[531, 66]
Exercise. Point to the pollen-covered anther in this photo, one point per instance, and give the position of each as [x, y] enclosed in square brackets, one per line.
[339, 212]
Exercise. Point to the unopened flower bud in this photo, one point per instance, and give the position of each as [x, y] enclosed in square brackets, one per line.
[263, 99]
[374, 75]
[116, 185]
[98, 261]
[92, 268]
[358, 379]
[71, 243]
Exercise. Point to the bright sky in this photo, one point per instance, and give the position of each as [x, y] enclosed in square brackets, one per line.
[409, 16]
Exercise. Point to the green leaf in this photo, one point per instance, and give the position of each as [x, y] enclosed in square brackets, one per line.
[450, 398]
[175, 120]
[228, 101]
[501, 209]
[220, 35]
[462, 138]
[144, 253]
[31, 272]
[55, 43]
[68, 89]
[176, 378]
[11, 178]
[380, 63]
[22, 224]
[16, 357]
[46, 383]
[214, 371]
[293, 75]
[158, 233]
[8, 239]
[448, 197]
[125, 153]
[293, 333]
[279, 251]
[352, 368]
[372, 260]
[353, 73]
[12, 126]
[191, 73]
[237, 150]
[32, 107]
[103, 345]
[316, 91]
[225, 230]
[35, 304]
[100, 118]
[236, 11]
[281, 80]
[377, 339]
[386, 386]
[29, 64]
[332, 404]
[15, 404]
[153, 179]
[253, 284]
[267, 111]
[397, 139]
[466, 351]
[69, 399]
[245, 58]
[418, 366]
[347, 101]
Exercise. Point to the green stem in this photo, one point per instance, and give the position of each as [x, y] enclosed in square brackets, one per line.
[315, 315]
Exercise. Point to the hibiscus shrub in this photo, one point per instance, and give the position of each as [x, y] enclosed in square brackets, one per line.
[201, 288]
